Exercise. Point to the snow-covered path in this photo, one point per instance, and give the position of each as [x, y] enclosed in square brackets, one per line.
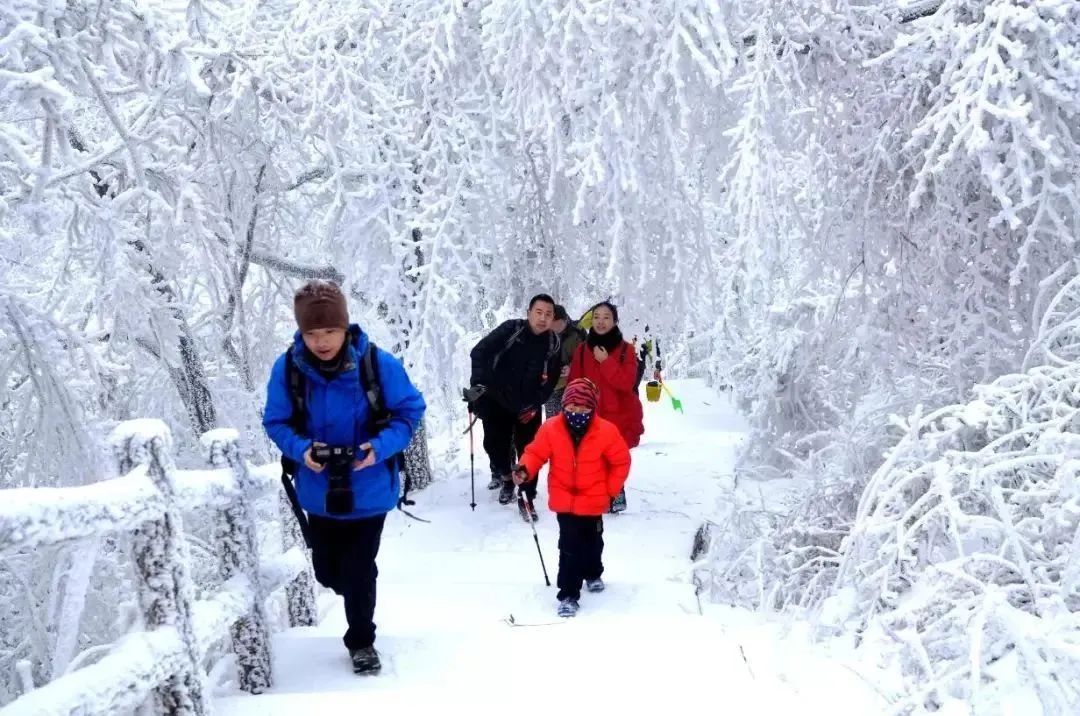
[446, 589]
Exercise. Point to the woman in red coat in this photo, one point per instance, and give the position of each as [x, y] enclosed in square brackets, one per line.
[610, 362]
[589, 463]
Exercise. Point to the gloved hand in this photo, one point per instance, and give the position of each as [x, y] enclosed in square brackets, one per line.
[519, 474]
[473, 393]
[526, 416]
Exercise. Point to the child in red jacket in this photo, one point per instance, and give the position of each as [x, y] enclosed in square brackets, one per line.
[589, 464]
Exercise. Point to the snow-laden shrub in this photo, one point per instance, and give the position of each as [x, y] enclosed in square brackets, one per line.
[962, 552]
[965, 543]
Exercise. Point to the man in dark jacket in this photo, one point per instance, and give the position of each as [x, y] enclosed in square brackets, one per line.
[347, 497]
[514, 371]
[570, 335]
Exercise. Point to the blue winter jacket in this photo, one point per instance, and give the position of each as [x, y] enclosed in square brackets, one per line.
[337, 414]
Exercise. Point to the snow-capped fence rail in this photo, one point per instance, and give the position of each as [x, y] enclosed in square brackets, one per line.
[164, 662]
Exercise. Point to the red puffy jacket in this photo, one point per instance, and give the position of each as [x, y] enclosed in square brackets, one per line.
[584, 480]
[615, 378]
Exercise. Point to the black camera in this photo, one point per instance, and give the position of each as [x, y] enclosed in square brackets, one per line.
[339, 461]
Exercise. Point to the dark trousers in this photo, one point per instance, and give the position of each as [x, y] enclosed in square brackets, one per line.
[581, 547]
[505, 440]
[343, 554]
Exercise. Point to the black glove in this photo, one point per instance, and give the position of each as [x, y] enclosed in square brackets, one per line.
[473, 393]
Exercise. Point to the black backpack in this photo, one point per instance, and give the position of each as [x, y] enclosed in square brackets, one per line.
[379, 417]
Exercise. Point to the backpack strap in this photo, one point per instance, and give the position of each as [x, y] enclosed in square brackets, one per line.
[510, 342]
[379, 417]
[294, 380]
[297, 387]
[554, 346]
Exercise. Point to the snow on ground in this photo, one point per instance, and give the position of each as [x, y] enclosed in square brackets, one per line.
[447, 588]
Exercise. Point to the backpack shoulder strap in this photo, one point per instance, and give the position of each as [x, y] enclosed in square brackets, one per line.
[294, 383]
[294, 380]
[554, 345]
[379, 417]
[520, 326]
[372, 387]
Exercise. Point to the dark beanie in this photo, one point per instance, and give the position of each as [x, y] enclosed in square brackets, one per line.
[561, 314]
[320, 304]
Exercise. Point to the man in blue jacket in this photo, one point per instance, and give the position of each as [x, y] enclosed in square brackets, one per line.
[346, 499]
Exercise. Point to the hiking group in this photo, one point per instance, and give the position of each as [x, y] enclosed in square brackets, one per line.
[342, 411]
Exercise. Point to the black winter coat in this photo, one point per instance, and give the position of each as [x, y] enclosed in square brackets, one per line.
[519, 368]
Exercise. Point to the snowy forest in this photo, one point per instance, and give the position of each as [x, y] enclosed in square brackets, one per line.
[857, 218]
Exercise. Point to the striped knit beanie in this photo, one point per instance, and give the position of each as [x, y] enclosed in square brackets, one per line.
[581, 392]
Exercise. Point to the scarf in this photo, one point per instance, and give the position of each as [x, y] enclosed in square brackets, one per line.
[609, 341]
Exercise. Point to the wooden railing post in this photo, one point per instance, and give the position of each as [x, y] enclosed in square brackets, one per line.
[417, 462]
[236, 537]
[161, 565]
[300, 591]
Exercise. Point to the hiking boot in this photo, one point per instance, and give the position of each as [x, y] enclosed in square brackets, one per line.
[527, 509]
[594, 585]
[365, 661]
[506, 493]
[568, 607]
[496, 481]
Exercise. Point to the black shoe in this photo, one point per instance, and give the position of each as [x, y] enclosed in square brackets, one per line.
[365, 661]
[496, 481]
[506, 493]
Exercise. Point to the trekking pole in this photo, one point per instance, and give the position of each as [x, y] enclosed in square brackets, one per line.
[536, 538]
[472, 461]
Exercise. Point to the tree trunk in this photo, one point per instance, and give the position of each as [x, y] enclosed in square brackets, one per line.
[190, 375]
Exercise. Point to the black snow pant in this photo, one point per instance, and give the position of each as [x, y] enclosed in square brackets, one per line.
[581, 547]
[343, 554]
[505, 440]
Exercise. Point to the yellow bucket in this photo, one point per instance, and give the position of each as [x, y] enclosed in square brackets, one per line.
[652, 391]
